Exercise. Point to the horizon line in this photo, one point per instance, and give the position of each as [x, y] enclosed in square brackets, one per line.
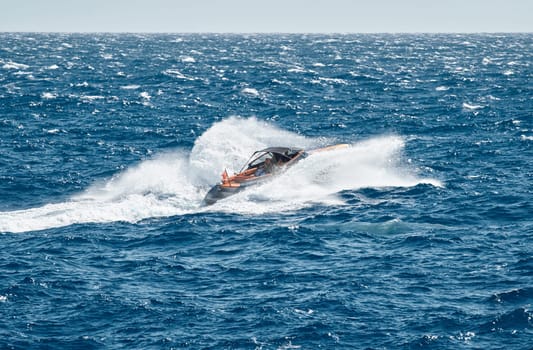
[256, 33]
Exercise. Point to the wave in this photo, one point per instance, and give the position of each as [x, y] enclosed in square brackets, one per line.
[48, 95]
[517, 319]
[15, 65]
[250, 92]
[174, 73]
[188, 59]
[471, 106]
[175, 183]
[521, 295]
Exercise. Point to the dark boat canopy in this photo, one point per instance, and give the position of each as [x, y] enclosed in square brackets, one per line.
[278, 154]
[280, 150]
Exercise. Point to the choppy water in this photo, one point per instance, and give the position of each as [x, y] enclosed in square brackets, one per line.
[417, 236]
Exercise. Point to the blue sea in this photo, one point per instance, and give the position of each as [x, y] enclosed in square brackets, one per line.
[419, 235]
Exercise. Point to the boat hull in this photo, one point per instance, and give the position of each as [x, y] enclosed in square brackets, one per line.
[251, 174]
[219, 192]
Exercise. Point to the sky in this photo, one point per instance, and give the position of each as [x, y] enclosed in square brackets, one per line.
[267, 16]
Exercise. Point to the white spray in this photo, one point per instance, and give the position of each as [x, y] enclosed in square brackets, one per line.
[175, 183]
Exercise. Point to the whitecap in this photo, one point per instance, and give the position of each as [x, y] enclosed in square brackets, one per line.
[334, 80]
[48, 95]
[296, 70]
[281, 82]
[52, 67]
[329, 80]
[508, 72]
[304, 312]
[130, 87]
[442, 88]
[176, 74]
[526, 138]
[250, 91]
[188, 59]
[471, 107]
[28, 75]
[145, 95]
[14, 65]
[89, 98]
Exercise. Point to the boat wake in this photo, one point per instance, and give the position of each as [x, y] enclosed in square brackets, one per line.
[175, 183]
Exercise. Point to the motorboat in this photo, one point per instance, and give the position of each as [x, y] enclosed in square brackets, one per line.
[261, 166]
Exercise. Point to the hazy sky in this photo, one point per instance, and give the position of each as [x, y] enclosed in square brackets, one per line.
[287, 16]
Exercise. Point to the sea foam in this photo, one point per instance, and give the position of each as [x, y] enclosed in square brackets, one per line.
[175, 183]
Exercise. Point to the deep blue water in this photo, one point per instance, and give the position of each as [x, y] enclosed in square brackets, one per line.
[417, 236]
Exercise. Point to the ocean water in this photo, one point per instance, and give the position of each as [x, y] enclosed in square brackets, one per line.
[419, 235]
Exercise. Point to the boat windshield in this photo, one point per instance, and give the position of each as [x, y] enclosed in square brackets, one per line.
[258, 159]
